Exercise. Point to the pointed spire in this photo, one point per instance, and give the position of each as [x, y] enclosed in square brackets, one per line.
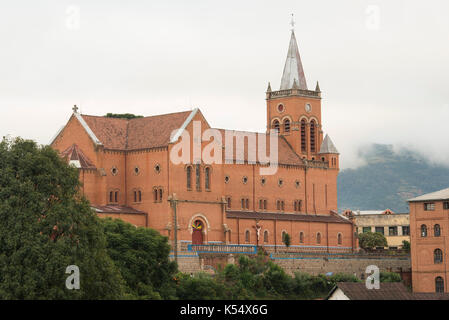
[328, 146]
[293, 67]
[269, 87]
[295, 84]
[317, 88]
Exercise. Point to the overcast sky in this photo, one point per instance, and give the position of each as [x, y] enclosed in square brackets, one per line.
[383, 66]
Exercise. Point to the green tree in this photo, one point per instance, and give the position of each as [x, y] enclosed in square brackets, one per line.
[370, 240]
[406, 245]
[45, 226]
[390, 277]
[122, 116]
[142, 255]
[286, 239]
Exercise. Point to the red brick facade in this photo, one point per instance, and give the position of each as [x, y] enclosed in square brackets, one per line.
[131, 176]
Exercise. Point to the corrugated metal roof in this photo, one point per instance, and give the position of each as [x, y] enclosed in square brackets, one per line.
[437, 195]
[293, 67]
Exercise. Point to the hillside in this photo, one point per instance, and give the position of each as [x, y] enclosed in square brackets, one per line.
[388, 179]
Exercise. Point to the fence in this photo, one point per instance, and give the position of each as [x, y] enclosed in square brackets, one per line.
[222, 248]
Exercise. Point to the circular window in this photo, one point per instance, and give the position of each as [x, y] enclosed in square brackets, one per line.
[227, 179]
[136, 170]
[263, 181]
[157, 168]
[281, 108]
[297, 184]
[114, 171]
[245, 179]
[280, 182]
[308, 107]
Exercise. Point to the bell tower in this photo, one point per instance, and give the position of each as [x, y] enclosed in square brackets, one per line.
[294, 110]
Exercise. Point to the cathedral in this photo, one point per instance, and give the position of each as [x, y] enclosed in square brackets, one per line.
[127, 172]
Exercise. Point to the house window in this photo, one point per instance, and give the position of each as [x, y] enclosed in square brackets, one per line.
[393, 231]
[245, 204]
[139, 193]
[339, 238]
[437, 256]
[287, 125]
[423, 231]
[366, 229]
[135, 196]
[380, 230]
[276, 125]
[260, 204]
[111, 196]
[297, 205]
[301, 237]
[436, 230]
[189, 177]
[265, 204]
[265, 236]
[429, 206]
[207, 178]
[318, 238]
[446, 205]
[247, 236]
[439, 285]
[405, 230]
[303, 136]
[116, 196]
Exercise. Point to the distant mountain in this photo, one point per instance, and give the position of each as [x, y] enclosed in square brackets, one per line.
[388, 179]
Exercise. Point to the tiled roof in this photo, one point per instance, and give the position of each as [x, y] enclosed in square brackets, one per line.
[437, 195]
[286, 155]
[116, 209]
[387, 291]
[287, 216]
[76, 157]
[138, 133]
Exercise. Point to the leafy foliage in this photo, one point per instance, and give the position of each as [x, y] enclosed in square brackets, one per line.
[286, 239]
[45, 226]
[390, 277]
[406, 245]
[141, 254]
[388, 179]
[122, 116]
[371, 240]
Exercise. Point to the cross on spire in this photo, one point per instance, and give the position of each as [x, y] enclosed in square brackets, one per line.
[75, 109]
[292, 22]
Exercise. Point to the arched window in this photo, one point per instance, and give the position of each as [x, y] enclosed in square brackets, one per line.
[439, 285]
[189, 177]
[437, 256]
[303, 136]
[155, 195]
[135, 196]
[313, 136]
[286, 125]
[318, 238]
[160, 195]
[436, 230]
[111, 196]
[301, 237]
[276, 125]
[247, 236]
[207, 178]
[423, 230]
[339, 238]
[116, 196]
[265, 236]
[140, 196]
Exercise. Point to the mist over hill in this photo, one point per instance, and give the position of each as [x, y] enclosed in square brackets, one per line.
[388, 178]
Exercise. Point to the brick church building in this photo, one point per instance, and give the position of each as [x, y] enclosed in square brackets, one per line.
[126, 172]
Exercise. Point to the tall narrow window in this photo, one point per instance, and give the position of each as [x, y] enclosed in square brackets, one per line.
[276, 125]
[197, 174]
[247, 204]
[265, 204]
[286, 125]
[155, 195]
[423, 230]
[111, 196]
[160, 195]
[439, 285]
[339, 238]
[301, 237]
[116, 196]
[243, 204]
[140, 196]
[437, 256]
[303, 136]
[247, 236]
[265, 236]
[135, 196]
[207, 178]
[436, 230]
[313, 136]
[228, 202]
[260, 204]
[318, 238]
[189, 177]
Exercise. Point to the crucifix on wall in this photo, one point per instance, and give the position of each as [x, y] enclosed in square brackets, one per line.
[258, 228]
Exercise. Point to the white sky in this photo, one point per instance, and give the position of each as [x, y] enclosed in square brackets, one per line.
[383, 66]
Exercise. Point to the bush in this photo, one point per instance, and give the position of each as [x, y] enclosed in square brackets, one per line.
[390, 277]
[371, 240]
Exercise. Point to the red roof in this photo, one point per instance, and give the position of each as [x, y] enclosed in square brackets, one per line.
[74, 153]
[135, 134]
[286, 216]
